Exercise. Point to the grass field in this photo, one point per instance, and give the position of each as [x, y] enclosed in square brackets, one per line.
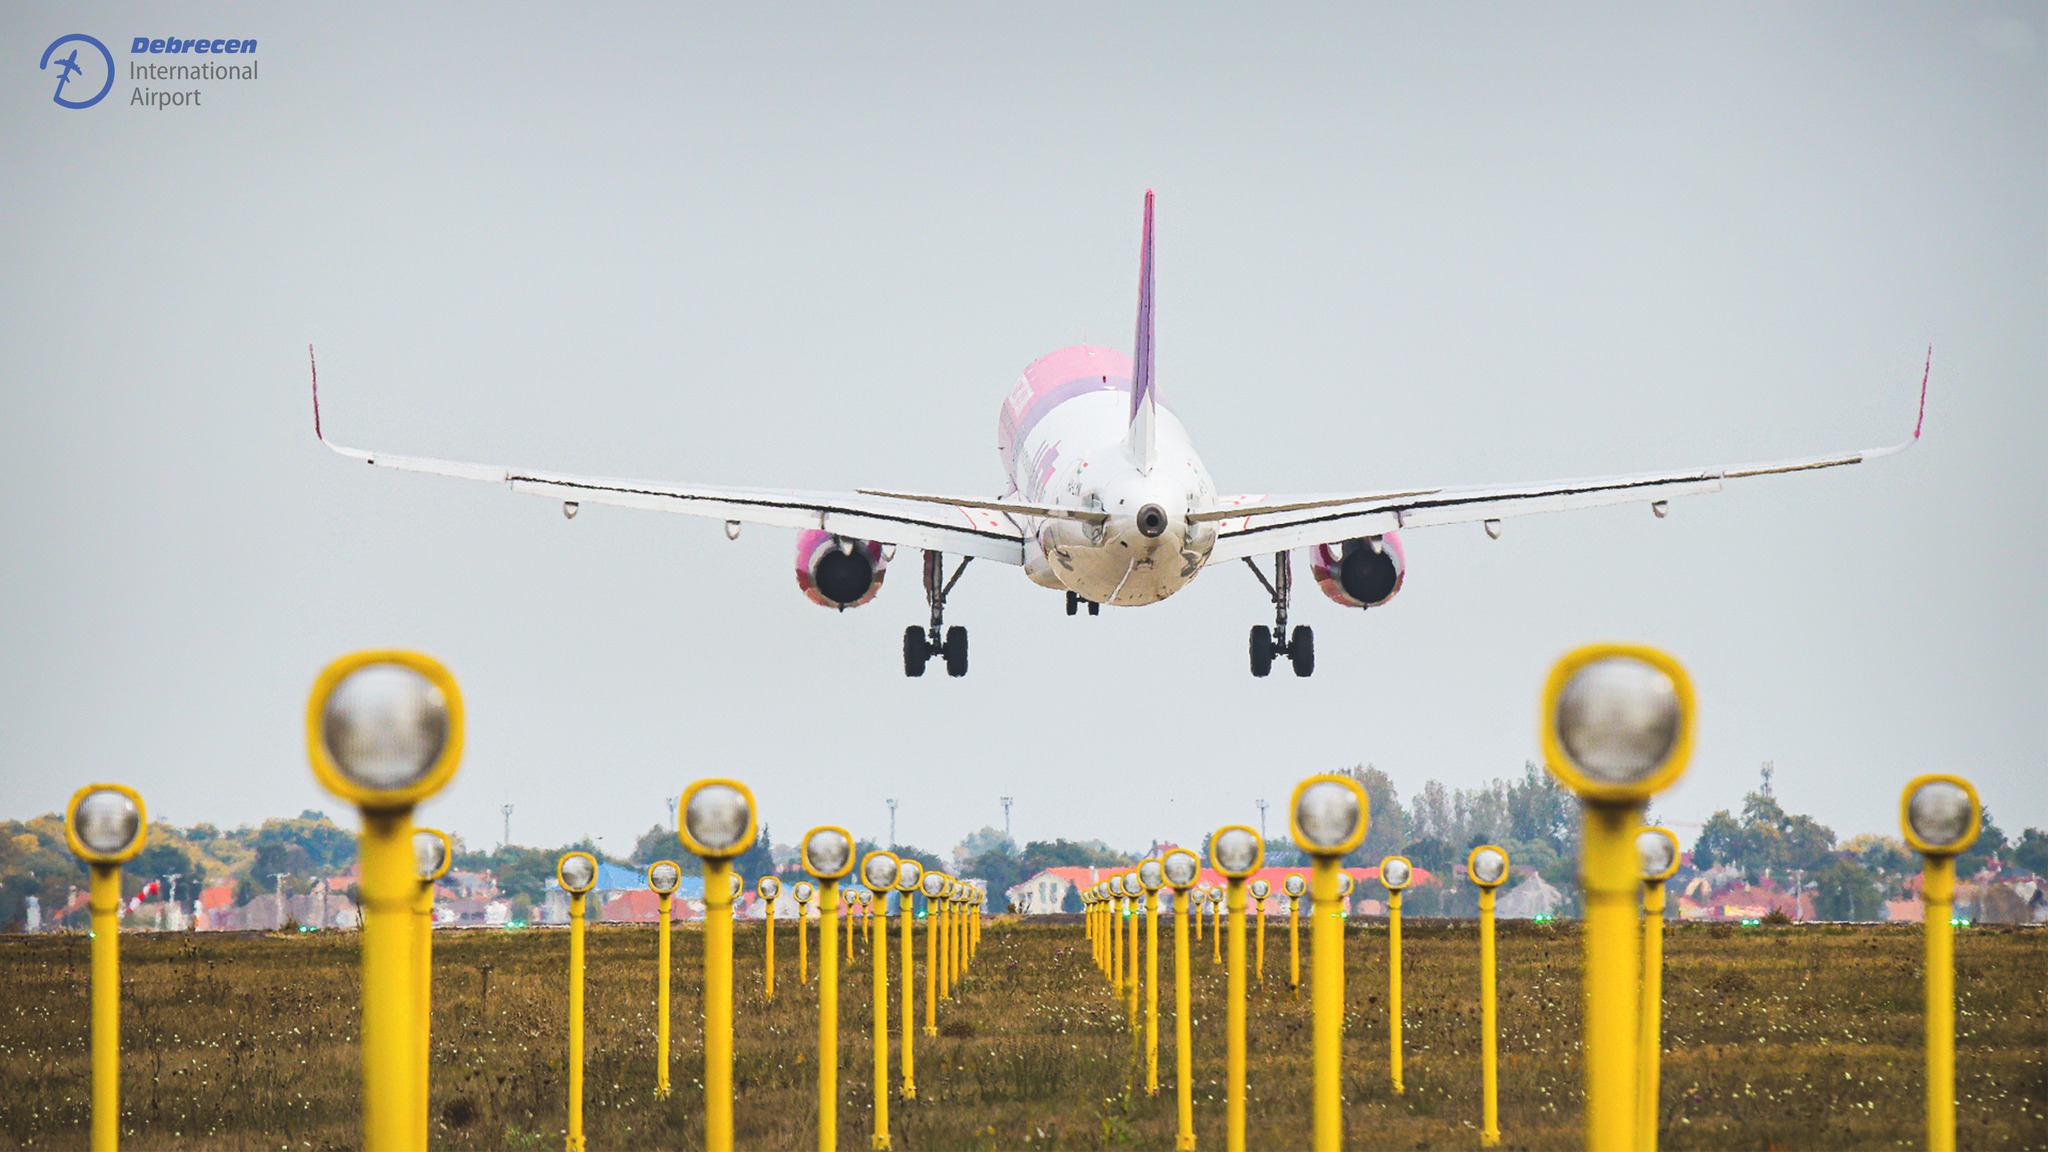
[1802, 1037]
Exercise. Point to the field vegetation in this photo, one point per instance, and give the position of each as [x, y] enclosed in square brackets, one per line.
[1805, 1036]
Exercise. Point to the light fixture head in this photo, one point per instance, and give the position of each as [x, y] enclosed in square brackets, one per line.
[1344, 884]
[664, 877]
[1295, 885]
[718, 819]
[909, 875]
[1940, 814]
[1151, 874]
[576, 872]
[1617, 722]
[1180, 868]
[1236, 851]
[768, 887]
[1396, 873]
[804, 890]
[1328, 815]
[828, 852]
[878, 871]
[1657, 853]
[1260, 889]
[432, 853]
[1487, 866]
[384, 728]
[934, 885]
[106, 823]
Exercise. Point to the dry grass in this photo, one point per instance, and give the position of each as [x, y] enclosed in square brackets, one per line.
[1801, 1037]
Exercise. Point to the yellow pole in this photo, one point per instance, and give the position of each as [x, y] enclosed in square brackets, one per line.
[1234, 1073]
[959, 941]
[909, 1024]
[717, 1005]
[1326, 1001]
[1294, 944]
[661, 983]
[1608, 872]
[1201, 922]
[931, 967]
[1649, 1050]
[828, 1016]
[1394, 986]
[768, 922]
[945, 948]
[106, 1007]
[389, 877]
[803, 942]
[1131, 955]
[1116, 947]
[576, 906]
[881, 962]
[1152, 993]
[423, 977]
[1262, 943]
[1489, 1070]
[1216, 928]
[1938, 894]
[848, 914]
[1183, 1030]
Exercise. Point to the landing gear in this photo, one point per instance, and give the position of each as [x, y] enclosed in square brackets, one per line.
[1266, 643]
[921, 644]
[1074, 603]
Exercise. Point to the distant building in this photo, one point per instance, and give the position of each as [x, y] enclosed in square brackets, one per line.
[1531, 898]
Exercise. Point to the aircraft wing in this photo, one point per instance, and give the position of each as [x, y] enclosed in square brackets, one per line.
[978, 528]
[1248, 527]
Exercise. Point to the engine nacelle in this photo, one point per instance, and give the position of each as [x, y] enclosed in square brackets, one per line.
[838, 571]
[1360, 573]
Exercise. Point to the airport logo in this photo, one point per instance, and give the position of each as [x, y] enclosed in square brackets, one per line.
[77, 78]
[89, 68]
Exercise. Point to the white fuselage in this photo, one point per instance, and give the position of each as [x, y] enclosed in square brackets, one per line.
[1075, 456]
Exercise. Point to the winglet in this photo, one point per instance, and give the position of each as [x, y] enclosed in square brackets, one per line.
[1140, 442]
[1924, 373]
[315, 365]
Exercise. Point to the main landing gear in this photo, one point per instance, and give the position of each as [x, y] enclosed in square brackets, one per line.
[1074, 603]
[1300, 647]
[921, 644]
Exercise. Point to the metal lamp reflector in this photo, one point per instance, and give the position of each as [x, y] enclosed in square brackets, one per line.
[1939, 813]
[107, 822]
[717, 816]
[385, 726]
[1618, 719]
[1327, 814]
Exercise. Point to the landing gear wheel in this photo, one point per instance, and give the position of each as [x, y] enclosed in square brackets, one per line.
[1301, 650]
[1262, 650]
[955, 651]
[1073, 602]
[915, 651]
[1094, 609]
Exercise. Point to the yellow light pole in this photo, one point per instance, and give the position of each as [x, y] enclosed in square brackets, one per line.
[934, 886]
[1657, 857]
[1296, 886]
[432, 853]
[719, 823]
[878, 873]
[769, 889]
[804, 891]
[957, 916]
[947, 975]
[1328, 816]
[1259, 890]
[1395, 873]
[1487, 866]
[1179, 867]
[1941, 816]
[828, 856]
[1116, 934]
[847, 903]
[106, 825]
[1201, 898]
[1216, 902]
[384, 732]
[663, 878]
[1617, 728]
[576, 872]
[1134, 908]
[1236, 851]
[1151, 878]
[909, 874]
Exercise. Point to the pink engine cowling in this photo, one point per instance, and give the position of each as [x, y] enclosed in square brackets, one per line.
[838, 572]
[1360, 573]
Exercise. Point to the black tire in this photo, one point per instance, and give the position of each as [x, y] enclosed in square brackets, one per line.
[1073, 603]
[955, 651]
[915, 651]
[1094, 609]
[1301, 650]
[1262, 650]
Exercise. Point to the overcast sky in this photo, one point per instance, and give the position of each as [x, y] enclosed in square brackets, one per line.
[814, 247]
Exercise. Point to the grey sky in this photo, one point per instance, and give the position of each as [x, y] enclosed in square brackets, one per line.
[1396, 247]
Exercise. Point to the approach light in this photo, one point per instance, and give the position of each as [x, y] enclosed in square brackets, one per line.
[1236, 851]
[105, 823]
[1261, 889]
[734, 885]
[909, 874]
[828, 852]
[718, 819]
[1657, 853]
[1328, 815]
[1344, 885]
[909, 879]
[1396, 872]
[1618, 722]
[1487, 866]
[1296, 886]
[664, 877]
[1940, 815]
[384, 728]
[804, 890]
[1657, 857]
[1151, 874]
[431, 854]
[768, 888]
[934, 885]
[576, 872]
[1179, 867]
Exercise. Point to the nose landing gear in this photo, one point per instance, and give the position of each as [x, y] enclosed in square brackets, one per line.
[1074, 603]
[1266, 643]
[921, 644]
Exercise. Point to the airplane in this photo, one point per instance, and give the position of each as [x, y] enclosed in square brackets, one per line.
[68, 68]
[1109, 503]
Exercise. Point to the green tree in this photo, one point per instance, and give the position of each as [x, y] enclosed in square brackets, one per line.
[1386, 823]
[2031, 851]
[1846, 890]
[758, 860]
[1990, 842]
[657, 843]
[1719, 842]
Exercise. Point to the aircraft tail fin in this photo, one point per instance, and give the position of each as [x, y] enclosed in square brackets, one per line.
[1141, 441]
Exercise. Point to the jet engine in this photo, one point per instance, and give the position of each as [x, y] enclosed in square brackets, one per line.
[1360, 573]
[838, 571]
